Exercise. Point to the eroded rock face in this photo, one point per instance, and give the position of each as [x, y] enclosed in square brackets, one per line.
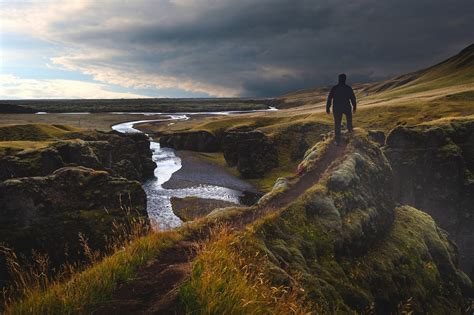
[127, 156]
[47, 213]
[250, 150]
[377, 136]
[82, 185]
[200, 141]
[434, 172]
[352, 249]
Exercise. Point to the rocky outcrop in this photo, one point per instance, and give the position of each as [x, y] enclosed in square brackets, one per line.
[79, 183]
[250, 150]
[294, 140]
[127, 156]
[377, 136]
[433, 169]
[200, 141]
[351, 249]
[47, 213]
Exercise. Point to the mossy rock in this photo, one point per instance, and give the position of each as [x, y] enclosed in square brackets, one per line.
[433, 167]
[361, 251]
[124, 155]
[48, 213]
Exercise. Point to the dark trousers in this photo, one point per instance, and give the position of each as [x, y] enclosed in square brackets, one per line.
[338, 119]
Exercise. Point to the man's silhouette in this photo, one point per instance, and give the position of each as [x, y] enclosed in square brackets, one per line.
[341, 96]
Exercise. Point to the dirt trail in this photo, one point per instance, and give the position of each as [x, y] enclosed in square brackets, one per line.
[156, 287]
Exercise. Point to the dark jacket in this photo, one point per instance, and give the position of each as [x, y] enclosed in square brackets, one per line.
[341, 96]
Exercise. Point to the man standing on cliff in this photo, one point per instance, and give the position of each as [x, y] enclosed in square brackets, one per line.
[341, 97]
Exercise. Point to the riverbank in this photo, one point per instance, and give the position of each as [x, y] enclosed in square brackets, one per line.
[196, 179]
[195, 170]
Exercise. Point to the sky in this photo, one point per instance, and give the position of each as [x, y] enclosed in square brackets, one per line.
[218, 48]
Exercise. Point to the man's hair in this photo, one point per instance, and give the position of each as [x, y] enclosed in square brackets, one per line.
[342, 78]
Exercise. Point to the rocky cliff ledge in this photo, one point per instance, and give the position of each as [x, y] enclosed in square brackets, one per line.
[81, 184]
[250, 150]
[200, 141]
[433, 169]
[126, 156]
[347, 244]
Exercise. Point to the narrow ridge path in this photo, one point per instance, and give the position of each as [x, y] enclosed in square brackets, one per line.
[156, 286]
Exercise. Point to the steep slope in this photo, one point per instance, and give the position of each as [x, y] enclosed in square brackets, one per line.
[456, 70]
[333, 231]
[433, 167]
[156, 287]
[75, 183]
[328, 240]
[49, 214]
[343, 243]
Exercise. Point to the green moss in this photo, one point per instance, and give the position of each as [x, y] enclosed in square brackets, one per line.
[402, 266]
[353, 254]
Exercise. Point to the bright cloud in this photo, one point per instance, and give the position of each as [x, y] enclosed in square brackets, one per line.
[12, 87]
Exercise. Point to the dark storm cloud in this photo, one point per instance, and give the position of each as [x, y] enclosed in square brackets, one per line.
[266, 48]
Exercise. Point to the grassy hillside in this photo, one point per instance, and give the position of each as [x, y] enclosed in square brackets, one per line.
[16, 138]
[457, 71]
[341, 247]
[34, 132]
[85, 289]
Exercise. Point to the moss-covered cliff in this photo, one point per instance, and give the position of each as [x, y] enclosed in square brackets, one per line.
[127, 156]
[79, 184]
[343, 245]
[433, 167]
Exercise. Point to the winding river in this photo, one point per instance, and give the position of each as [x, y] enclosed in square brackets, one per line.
[159, 198]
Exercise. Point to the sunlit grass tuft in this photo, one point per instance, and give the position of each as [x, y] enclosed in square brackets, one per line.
[78, 288]
[228, 278]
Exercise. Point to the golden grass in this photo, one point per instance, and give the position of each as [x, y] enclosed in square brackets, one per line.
[34, 132]
[446, 120]
[78, 290]
[13, 147]
[228, 278]
[417, 112]
[406, 111]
